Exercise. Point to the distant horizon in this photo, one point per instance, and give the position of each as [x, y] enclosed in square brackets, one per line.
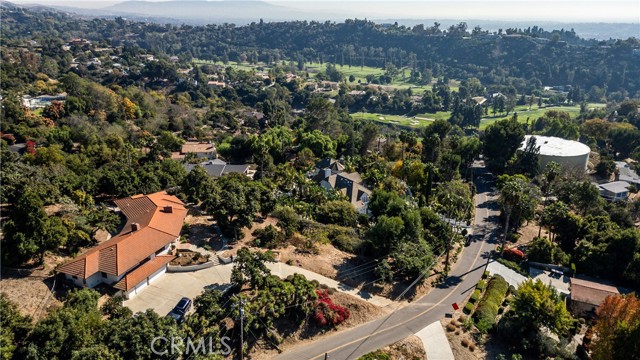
[559, 11]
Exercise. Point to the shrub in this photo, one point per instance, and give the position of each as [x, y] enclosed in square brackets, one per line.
[465, 342]
[376, 355]
[348, 243]
[457, 332]
[304, 244]
[481, 285]
[485, 275]
[328, 313]
[337, 212]
[472, 347]
[475, 296]
[269, 237]
[384, 271]
[451, 327]
[514, 266]
[489, 305]
[468, 308]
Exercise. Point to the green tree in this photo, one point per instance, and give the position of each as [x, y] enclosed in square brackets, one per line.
[501, 141]
[528, 160]
[321, 145]
[14, 328]
[337, 212]
[386, 233]
[68, 329]
[29, 232]
[321, 115]
[518, 199]
[269, 237]
[236, 205]
[198, 186]
[412, 258]
[131, 336]
[250, 268]
[384, 202]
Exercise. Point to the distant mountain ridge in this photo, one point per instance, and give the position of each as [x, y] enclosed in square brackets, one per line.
[241, 12]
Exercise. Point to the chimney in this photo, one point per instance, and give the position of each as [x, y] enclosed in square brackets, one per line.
[168, 209]
[135, 227]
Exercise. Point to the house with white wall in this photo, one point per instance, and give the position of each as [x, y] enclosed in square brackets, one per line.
[136, 256]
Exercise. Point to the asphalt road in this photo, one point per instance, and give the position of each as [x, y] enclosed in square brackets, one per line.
[407, 320]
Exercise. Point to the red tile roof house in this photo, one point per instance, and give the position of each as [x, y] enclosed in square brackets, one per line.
[138, 254]
[201, 149]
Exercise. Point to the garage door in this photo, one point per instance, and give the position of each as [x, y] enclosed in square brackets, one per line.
[143, 284]
[157, 274]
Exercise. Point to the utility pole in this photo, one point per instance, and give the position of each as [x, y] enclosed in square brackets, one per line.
[241, 305]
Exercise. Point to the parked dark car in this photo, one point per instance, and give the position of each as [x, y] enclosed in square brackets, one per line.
[180, 309]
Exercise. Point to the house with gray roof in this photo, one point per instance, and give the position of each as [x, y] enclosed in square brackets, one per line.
[625, 173]
[615, 190]
[216, 168]
[330, 175]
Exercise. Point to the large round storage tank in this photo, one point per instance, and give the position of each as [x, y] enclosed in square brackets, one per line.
[572, 155]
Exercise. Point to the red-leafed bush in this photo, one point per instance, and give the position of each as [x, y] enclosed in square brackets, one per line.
[31, 147]
[328, 313]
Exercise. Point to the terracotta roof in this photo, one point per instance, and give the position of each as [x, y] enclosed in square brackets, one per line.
[197, 147]
[591, 292]
[143, 271]
[159, 218]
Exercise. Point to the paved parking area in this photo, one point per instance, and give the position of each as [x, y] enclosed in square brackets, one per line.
[164, 293]
[560, 282]
[512, 277]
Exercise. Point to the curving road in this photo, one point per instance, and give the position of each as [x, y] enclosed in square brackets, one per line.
[352, 343]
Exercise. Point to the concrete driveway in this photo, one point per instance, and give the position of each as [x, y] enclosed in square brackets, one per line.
[164, 293]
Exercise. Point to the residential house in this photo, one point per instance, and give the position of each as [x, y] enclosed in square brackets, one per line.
[625, 173]
[330, 174]
[216, 84]
[202, 150]
[42, 100]
[216, 168]
[588, 294]
[615, 190]
[136, 256]
[480, 100]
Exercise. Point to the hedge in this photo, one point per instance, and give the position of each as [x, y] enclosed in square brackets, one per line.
[468, 308]
[475, 296]
[481, 285]
[487, 309]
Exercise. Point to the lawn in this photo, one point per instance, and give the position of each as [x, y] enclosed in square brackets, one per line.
[360, 74]
[417, 121]
[526, 115]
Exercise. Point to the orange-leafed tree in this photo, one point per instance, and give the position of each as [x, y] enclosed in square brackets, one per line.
[617, 328]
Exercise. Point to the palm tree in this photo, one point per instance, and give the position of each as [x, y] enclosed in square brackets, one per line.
[550, 174]
[511, 194]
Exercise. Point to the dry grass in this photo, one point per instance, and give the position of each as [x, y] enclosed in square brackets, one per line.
[463, 346]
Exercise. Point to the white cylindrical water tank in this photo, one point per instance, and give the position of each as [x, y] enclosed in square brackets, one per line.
[569, 154]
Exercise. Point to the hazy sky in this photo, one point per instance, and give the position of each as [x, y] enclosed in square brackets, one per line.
[556, 10]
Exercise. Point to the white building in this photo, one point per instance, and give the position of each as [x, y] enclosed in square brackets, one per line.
[568, 153]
